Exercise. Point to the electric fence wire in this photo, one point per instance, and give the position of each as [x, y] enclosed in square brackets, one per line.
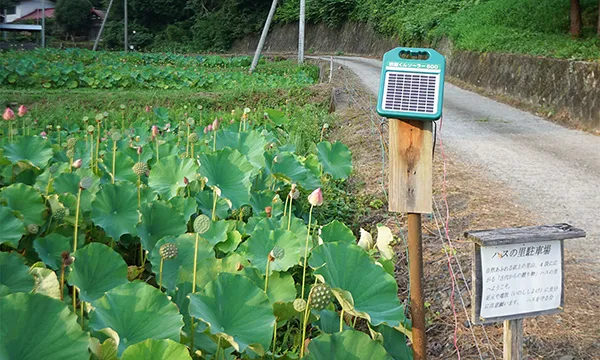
[370, 111]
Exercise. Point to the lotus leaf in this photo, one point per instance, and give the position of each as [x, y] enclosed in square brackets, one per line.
[335, 158]
[46, 282]
[281, 285]
[137, 311]
[185, 206]
[217, 232]
[152, 349]
[235, 308]
[123, 167]
[14, 275]
[345, 345]
[30, 149]
[205, 204]
[374, 292]
[159, 219]
[27, 201]
[35, 326]
[51, 247]
[97, 269]
[394, 343]
[229, 171]
[167, 176]
[251, 144]
[336, 231]
[115, 209]
[12, 227]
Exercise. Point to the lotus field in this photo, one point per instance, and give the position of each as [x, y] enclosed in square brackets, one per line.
[181, 232]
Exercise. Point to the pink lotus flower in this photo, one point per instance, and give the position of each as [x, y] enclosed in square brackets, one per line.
[43, 134]
[186, 181]
[22, 110]
[148, 108]
[210, 127]
[8, 114]
[155, 130]
[215, 124]
[77, 163]
[316, 197]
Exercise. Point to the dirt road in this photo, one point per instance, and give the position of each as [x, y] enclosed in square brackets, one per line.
[553, 171]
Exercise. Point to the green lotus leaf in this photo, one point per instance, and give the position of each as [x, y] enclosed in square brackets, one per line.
[345, 345]
[277, 117]
[263, 240]
[181, 268]
[329, 321]
[281, 289]
[234, 238]
[205, 204]
[14, 275]
[234, 307]
[217, 232]
[105, 351]
[250, 143]
[46, 282]
[286, 167]
[159, 219]
[230, 172]
[27, 201]
[394, 343]
[97, 269]
[259, 200]
[51, 247]
[30, 149]
[336, 231]
[152, 349]
[35, 326]
[185, 206]
[12, 227]
[373, 291]
[137, 311]
[167, 176]
[69, 183]
[212, 267]
[336, 159]
[123, 167]
[115, 209]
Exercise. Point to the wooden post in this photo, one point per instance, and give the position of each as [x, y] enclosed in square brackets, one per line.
[301, 22]
[513, 339]
[411, 173]
[330, 69]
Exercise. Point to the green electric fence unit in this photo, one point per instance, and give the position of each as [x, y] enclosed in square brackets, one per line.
[412, 84]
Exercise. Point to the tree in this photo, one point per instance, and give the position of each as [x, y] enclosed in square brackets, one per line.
[3, 5]
[598, 17]
[72, 15]
[575, 18]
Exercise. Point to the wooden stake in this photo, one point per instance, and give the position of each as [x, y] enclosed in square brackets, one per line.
[417, 302]
[411, 166]
[513, 339]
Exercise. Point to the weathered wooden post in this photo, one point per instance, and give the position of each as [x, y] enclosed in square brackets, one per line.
[518, 273]
[411, 91]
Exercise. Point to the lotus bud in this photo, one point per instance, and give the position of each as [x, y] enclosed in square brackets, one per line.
[77, 163]
[139, 150]
[8, 114]
[231, 121]
[215, 124]
[206, 129]
[269, 211]
[316, 197]
[43, 134]
[148, 108]
[186, 181]
[210, 127]
[22, 110]
[155, 130]
[202, 224]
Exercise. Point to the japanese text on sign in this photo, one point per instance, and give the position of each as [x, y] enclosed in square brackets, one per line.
[521, 278]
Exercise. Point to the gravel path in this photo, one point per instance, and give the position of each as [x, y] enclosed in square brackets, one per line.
[553, 171]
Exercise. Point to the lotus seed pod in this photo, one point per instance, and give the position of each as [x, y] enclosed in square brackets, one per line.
[278, 252]
[116, 136]
[190, 122]
[86, 183]
[299, 305]
[33, 229]
[320, 296]
[168, 251]
[140, 168]
[86, 119]
[90, 128]
[71, 142]
[247, 211]
[122, 106]
[71, 153]
[99, 117]
[59, 213]
[193, 138]
[53, 168]
[201, 224]
[235, 213]
[67, 259]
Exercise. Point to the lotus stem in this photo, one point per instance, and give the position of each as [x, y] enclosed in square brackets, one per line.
[9, 131]
[139, 185]
[342, 320]
[97, 148]
[193, 320]
[76, 219]
[81, 312]
[157, 156]
[92, 155]
[192, 148]
[354, 322]
[161, 272]
[62, 280]
[267, 277]
[114, 174]
[218, 349]
[290, 218]
[305, 320]
[142, 257]
[75, 299]
[214, 209]
[215, 141]
[287, 198]
[306, 250]
[274, 339]
[187, 145]
[195, 263]
[58, 137]
[123, 121]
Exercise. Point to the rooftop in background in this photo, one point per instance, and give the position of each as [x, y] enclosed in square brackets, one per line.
[36, 15]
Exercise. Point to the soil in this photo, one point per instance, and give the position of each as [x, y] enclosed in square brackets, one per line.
[474, 202]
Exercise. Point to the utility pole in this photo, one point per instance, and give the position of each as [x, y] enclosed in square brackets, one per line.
[125, 28]
[43, 23]
[301, 32]
[102, 26]
[263, 36]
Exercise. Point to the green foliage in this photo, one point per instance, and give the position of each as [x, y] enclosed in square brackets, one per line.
[72, 15]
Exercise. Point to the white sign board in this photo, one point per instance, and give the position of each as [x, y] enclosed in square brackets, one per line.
[520, 278]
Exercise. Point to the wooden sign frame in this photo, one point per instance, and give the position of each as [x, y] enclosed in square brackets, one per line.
[521, 235]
